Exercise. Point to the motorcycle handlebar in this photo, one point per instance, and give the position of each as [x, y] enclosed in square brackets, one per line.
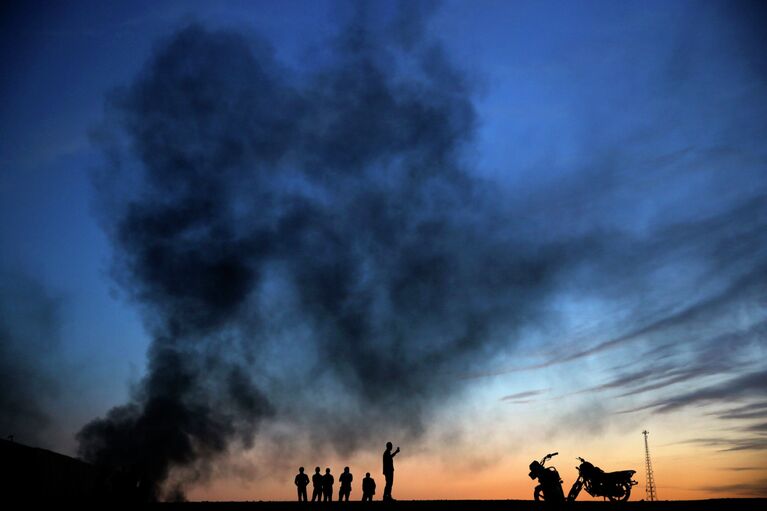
[548, 457]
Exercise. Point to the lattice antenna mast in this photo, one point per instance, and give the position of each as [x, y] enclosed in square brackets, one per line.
[652, 495]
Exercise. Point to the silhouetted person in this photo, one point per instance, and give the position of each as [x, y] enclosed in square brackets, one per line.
[388, 470]
[302, 481]
[346, 485]
[368, 488]
[317, 485]
[327, 486]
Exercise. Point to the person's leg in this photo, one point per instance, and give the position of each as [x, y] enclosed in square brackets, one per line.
[387, 488]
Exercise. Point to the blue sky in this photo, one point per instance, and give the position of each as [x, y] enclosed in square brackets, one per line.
[639, 125]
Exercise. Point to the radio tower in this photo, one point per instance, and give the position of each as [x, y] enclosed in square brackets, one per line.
[650, 484]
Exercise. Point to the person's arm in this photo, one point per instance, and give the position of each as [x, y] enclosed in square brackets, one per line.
[395, 452]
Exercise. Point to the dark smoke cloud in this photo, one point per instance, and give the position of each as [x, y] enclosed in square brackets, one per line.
[311, 248]
[305, 246]
[29, 373]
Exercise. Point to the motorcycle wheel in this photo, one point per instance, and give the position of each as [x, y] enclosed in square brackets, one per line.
[575, 490]
[623, 493]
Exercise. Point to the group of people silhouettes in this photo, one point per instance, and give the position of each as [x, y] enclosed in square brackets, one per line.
[322, 484]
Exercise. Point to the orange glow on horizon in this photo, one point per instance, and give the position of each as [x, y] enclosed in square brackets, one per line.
[424, 478]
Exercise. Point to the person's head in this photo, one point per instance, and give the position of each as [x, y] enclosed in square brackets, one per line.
[327, 470]
[367, 474]
[317, 470]
[301, 469]
[346, 470]
[388, 446]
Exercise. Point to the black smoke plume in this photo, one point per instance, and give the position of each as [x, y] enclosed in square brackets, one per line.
[307, 246]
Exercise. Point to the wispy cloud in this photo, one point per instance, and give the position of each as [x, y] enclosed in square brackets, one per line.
[756, 428]
[750, 411]
[745, 386]
[523, 397]
[731, 444]
[756, 488]
[716, 356]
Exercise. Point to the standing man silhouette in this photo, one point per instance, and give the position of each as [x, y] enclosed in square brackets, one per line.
[317, 485]
[368, 488]
[302, 481]
[346, 485]
[388, 470]
[327, 485]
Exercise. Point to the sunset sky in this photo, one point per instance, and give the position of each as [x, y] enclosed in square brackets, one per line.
[287, 232]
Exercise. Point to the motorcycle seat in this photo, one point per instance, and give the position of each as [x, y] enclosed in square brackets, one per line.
[621, 474]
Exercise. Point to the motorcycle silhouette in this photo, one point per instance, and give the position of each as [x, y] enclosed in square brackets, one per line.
[550, 487]
[616, 486]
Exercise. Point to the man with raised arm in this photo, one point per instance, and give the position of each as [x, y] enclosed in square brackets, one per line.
[388, 470]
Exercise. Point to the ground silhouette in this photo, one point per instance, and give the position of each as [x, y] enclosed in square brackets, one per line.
[489, 505]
